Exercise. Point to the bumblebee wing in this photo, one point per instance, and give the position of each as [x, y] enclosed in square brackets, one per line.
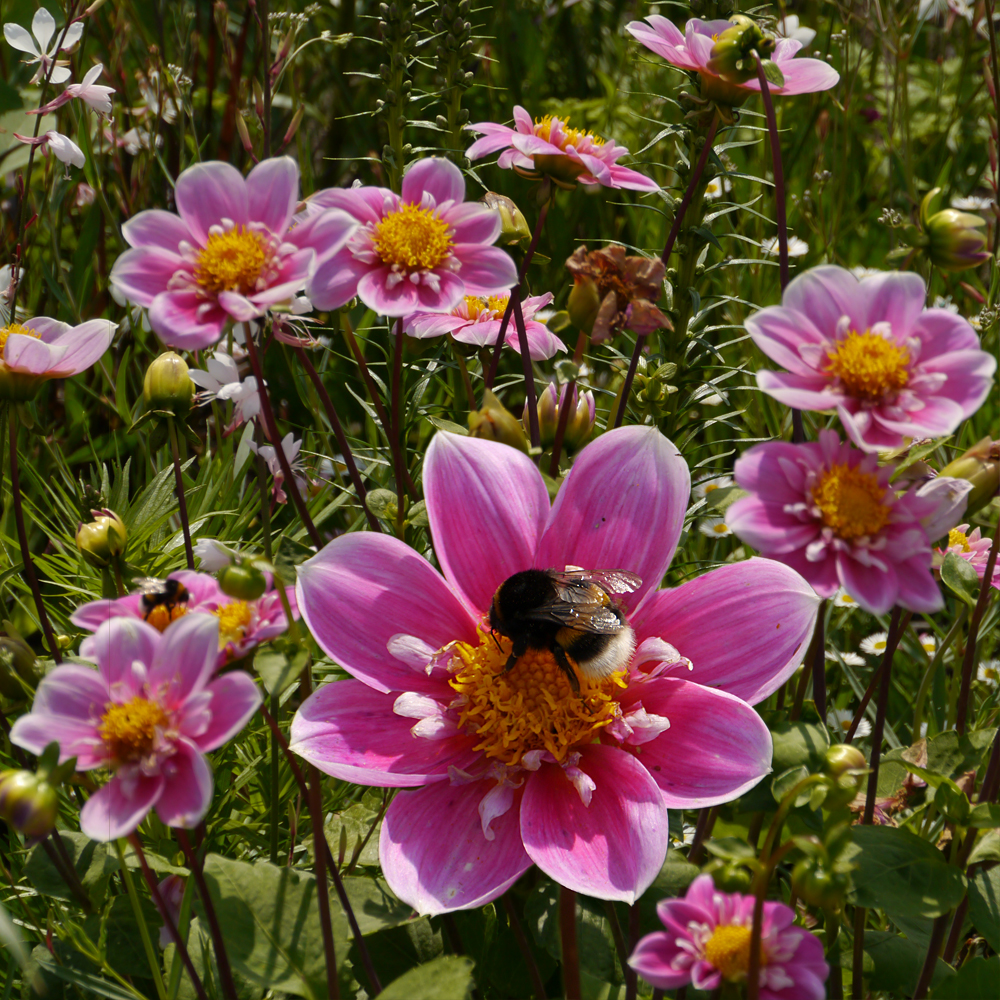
[590, 616]
[613, 581]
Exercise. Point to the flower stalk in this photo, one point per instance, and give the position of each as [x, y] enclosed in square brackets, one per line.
[517, 929]
[567, 938]
[181, 500]
[147, 944]
[891, 643]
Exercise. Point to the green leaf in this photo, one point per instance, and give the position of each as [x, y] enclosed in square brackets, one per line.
[783, 783]
[92, 862]
[984, 905]
[730, 848]
[280, 669]
[88, 984]
[960, 578]
[976, 980]
[446, 978]
[953, 802]
[10, 99]
[985, 816]
[987, 848]
[124, 948]
[798, 744]
[721, 498]
[897, 871]
[772, 71]
[897, 962]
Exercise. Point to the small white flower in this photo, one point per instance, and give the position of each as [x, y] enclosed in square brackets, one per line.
[944, 302]
[686, 839]
[714, 527]
[796, 247]
[62, 147]
[875, 644]
[291, 449]
[860, 272]
[222, 381]
[213, 555]
[717, 187]
[707, 486]
[840, 719]
[43, 27]
[788, 27]
[971, 203]
[851, 659]
[929, 642]
[842, 599]
[989, 672]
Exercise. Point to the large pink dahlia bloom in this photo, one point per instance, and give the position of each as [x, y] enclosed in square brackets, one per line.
[827, 510]
[508, 769]
[242, 624]
[231, 254]
[150, 712]
[869, 349]
[422, 251]
[550, 147]
[693, 50]
[707, 942]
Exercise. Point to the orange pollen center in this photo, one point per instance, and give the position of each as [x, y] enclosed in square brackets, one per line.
[728, 949]
[129, 731]
[234, 619]
[163, 614]
[851, 502]
[232, 261]
[531, 706]
[494, 304]
[24, 331]
[412, 237]
[869, 366]
[570, 136]
[959, 538]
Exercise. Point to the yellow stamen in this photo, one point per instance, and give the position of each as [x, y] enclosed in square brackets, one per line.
[956, 537]
[231, 261]
[720, 529]
[129, 731]
[475, 306]
[869, 366]
[163, 614]
[24, 331]
[413, 237]
[234, 619]
[530, 707]
[851, 501]
[728, 949]
[570, 136]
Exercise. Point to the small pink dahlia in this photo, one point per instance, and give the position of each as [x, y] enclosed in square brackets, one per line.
[149, 712]
[505, 769]
[231, 254]
[827, 510]
[973, 548]
[550, 147]
[423, 251]
[476, 320]
[707, 943]
[242, 624]
[870, 350]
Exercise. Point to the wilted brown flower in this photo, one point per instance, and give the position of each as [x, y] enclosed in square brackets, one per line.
[612, 291]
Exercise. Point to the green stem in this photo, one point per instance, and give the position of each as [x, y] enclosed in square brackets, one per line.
[181, 501]
[928, 678]
[835, 984]
[275, 759]
[147, 944]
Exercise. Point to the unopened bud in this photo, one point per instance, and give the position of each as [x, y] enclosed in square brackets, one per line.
[584, 303]
[102, 539]
[494, 422]
[728, 876]
[514, 227]
[816, 886]
[167, 385]
[732, 55]
[293, 126]
[17, 658]
[28, 803]
[955, 241]
[980, 465]
[241, 127]
[842, 757]
[242, 581]
[579, 423]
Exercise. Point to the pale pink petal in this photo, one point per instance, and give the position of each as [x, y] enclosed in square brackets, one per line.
[89, 616]
[119, 807]
[447, 295]
[119, 643]
[28, 354]
[824, 294]
[76, 738]
[324, 233]
[84, 346]
[804, 76]
[473, 223]
[174, 316]
[366, 204]
[488, 144]
[435, 175]
[142, 274]
[631, 180]
[272, 192]
[187, 787]
[485, 270]
[779, 332]
[235, 698]
[185, 657]
[612, 848]
[896, 297]
[335, 281]
[156, 228]
[941, 332]
[209, 192]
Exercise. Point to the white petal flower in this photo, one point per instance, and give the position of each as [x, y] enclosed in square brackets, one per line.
[989, 672]
[65, 149]
[714, 527]
[213, 555]
[851, 659]
[705, 487]
[43, 27]
[222, 381]
[842, 599]
[796, 247]
[839, 720]
[788, 27]
[291, 449]
[929, 643]
[971, 203]
[717, 187]
[875, 644]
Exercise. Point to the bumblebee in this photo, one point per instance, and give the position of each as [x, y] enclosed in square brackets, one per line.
[166, 594]
[572, 613]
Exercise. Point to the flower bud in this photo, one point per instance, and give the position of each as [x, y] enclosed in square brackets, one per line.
[28, 803]
[102, 539]
[732, 55]
[579, 423]
[842, 757]
[584, 303]
[728, 876]
[514, 227]
[980, 465]
[494, 422]
[16, 657]
[242, 581]
[167, 385]
[816, 886]
[955, 241]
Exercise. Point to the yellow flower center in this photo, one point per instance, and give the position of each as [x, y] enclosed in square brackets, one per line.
[720, 529]
[728, 949]
[851, 502]
[869, 366]
[231, 261]
[129, 730]
[531, 706]
[24, 331]
[412, 237]
[163, 614]
[234, 619]
[956, 537]
[476, 306]
[570, 136]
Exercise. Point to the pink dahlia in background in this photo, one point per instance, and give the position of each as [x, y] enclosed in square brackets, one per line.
[506, 769]
[40, 349]
[827, 510]
[476, 320]
[242, 624]
[707, 943]
[693, 51]
[231, 253]
[149, 712]
[870, 350]
[550, 147]
[423, 251]
[973, 548]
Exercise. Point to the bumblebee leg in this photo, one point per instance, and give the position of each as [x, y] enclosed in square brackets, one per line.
[563, 660]
[518, 649]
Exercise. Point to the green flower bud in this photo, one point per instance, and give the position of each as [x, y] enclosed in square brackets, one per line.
[514, 228]
[732, 56]
[494, 422]
[816, 886]
[955, 241]
[842, 757]
[980, 465]
[242, 581]
[579, 424]
[728, 876]
[102, 539]
[28, 803]
[584, 303]
[17, 658]
[167, 385]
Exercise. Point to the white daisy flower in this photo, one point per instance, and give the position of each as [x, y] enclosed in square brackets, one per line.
[796, 247]
[714, 527]
[840, 719]
[944, 302]
[989, 672]
[851, 659]
[860, 272]
[686, 839]
[875, 644]
[717, 187]
[706, 486]
[971, 203]
[842, 599]
[929, 642]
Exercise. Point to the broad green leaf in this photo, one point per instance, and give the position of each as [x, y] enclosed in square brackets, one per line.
[124, 950]
[952, 755]
[446, 978]
[92, 862]
[984, 905]
[960, 578]
[88, 984]
[278, 669]
[783, 783]
[976, 980]
[985, 816]
[987, 848]
[798, 744]
[898, 962]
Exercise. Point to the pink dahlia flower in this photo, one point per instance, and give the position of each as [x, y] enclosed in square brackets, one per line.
[707, 943]
[423, 251]
[973, 548]
[150, 712]
[231, 253]
[827, 510]
[870, 350]
[550, 147]
[41, 348]
[693, 50]
[242, 624]
[505, 769]
[477, 320]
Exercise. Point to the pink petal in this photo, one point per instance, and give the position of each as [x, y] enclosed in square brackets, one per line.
[918, 590]
[805, 76]
[187, 788]
[941, 332]
[349, 730]
[89, 616]
[896, 297]
[335, 281]
[653, 958]
[473, 223]
[874, 589]
[159, 229]
[486, 503]
[435, 175]
[621, 507]
[717, 746]
[632, 180]
[209, 192]
[488, 144]
[272, 192]
[361, 590]
[611, 849]
[235, 698]
[28, 354]
[779, 332]
[49, 330]
[447, 295]
[174, 318]
[542, 342]
[434, 854]
[485, 270]
[324, 233]
[366, 204]
[116, 645]
[402, 298]
[142, 274]
[84, 345]
[769, 606]
[76, 738]
[802, 393]
[824, 294]
[119, 807]
[185, 657]
[767, 528]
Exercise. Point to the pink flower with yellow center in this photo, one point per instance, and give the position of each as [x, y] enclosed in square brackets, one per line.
[549, 147]
[422, 251]
[503, 769]
[871, 351]
[230, 254]
[973, 548]
[149, 712]
[476, 320]
[707, 944]
[242, 624]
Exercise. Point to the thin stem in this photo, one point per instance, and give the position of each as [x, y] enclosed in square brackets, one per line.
[265, 41]
[529, 375]
[819, 662]
[568, 403]
[995, 73]
[322, 892]
[68, 873]
[631, 976]
[22, 537]
[616, 932]
[463, 368]
[895, 633]
[892, 641]
[567, 937]
[930, 960]
[396, 425]
[274, 764]
[181, 501]
[956, 931]
[779, 174]
[936, 660]
[835, 984]
[699, 169]
[633, 365]
[219, 944]
[858, 957]
[119, 582]
[152, 958]
[702, 831]
[265, 499]
[537, 986]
